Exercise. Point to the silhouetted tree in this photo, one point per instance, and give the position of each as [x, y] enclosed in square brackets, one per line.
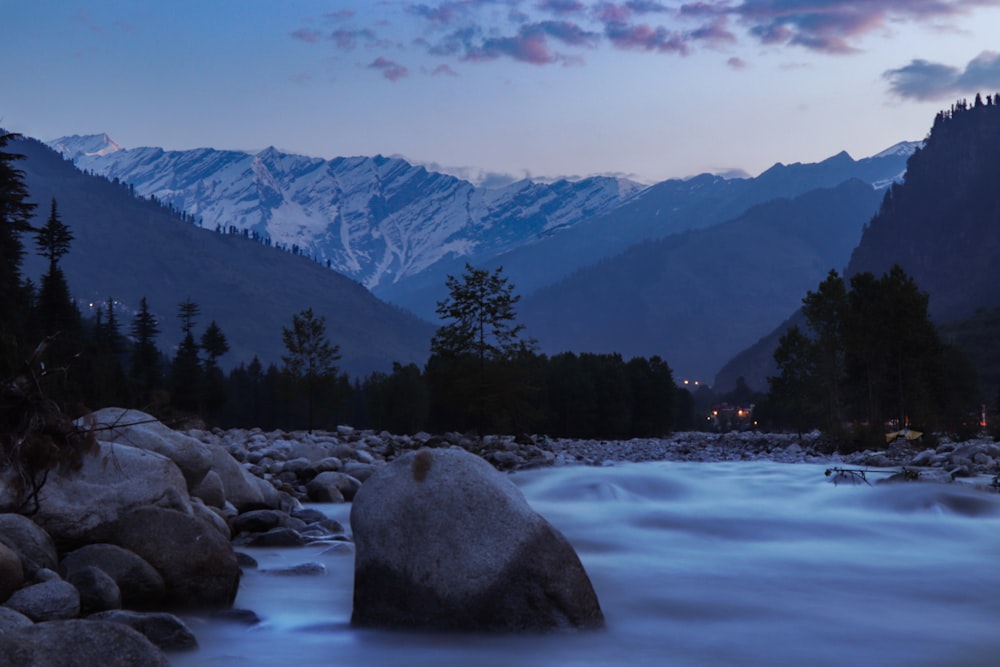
[311, 359]
[145, 372]
[15, 216]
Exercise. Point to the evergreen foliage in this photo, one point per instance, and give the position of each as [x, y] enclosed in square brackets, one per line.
[15, 216]
[146, 371]
[311, 360]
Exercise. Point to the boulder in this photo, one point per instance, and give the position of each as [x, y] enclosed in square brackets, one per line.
[12, 620]
[211, 490]
[332, 487]
[242, 489]
[443, 540]
[97, 590]
[78, 507]
[141, 586]
[165, 630]
[202, 511]
[76, 642]
[197, 563]
[47, 601]
[142, 431]
[31, 542]
[259, 521]
[11, 572]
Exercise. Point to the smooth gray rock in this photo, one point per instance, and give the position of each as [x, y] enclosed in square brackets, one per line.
[79, 507]
[78, 643]
[98, 591]
[443, 540]
[198, 564]
[164, 630]
[142, 431]
[141, 586]
[11, 572]
[12, 620]
[47, 601]
[30, 541]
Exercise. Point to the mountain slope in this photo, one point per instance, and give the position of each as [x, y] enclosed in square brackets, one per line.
[699, 297]
[941, 224]
[663, 209]
[375, 219]
[128, 248]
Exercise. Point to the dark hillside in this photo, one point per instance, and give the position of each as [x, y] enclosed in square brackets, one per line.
[128, 248]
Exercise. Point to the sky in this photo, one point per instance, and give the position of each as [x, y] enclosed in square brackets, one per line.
[494, 90]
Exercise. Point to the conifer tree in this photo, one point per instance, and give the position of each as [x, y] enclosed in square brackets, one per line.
[56, 312]
[311, 359]
[15, 216]
[145, 371]
[185, 371]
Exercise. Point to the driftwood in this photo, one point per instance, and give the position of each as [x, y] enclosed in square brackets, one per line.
[859, 475]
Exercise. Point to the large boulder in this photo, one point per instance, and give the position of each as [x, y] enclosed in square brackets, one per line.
[141, 586]
[443, 540]
[11, 572]
[78, 507]
[197, 563]
[240, 488]
[332, 487]
[32, 544]
[73, 643]
[48, 601]
[165, 630]
[142, 431]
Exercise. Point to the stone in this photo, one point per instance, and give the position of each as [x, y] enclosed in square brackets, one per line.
[143, 431]
[11, 572]
[74, 643]
[277, 537]
[332, 487]
[259, 521]
[211, 490]
[302, 569]
[47, 601]
[202, 511]
[140, 585]
[359, 471]
[79, 507]
[164, 630]
[12, 620]
[29, 541]
[445, 541]
[97, 590]
[198, 564]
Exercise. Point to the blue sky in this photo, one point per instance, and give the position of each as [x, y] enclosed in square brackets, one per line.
[650, 89]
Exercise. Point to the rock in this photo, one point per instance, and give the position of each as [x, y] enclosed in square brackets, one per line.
[29, 541]
[48, 601]
[359, 471]
[202, 511]
[141, 586]
[78, 643]
[309, 515]
[210, 490]
[164, 630]
[142, 431]
[332, 487]
[259, 521]
[277, 537]
[12, 620]
[443, 540]
[198, 564]
[11, 572]
[97, 590]
[328, 464]
[246, 561]
[79, 507]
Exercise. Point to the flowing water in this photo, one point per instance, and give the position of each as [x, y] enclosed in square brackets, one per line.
[748, 563]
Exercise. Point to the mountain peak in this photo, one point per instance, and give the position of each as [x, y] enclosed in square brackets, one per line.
[85, 145]
[905, 148]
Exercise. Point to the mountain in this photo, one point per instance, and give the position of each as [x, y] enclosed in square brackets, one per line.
[698, 297]
[128, 248]
[663, 209]
[378, 220]
[941, 224]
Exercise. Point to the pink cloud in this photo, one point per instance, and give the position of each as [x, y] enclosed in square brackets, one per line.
[737, 63]
[443, 70]
[306, 35]
[389, 68]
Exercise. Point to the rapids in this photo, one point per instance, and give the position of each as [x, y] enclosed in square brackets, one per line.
[746, 563]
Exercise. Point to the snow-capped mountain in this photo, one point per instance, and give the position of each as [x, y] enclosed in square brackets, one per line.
[378, 220]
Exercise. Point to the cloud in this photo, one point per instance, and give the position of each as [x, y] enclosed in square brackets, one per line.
[530, 44]
[924, 80]
[443, 70]
[737, 63]
[562, 7]
[831, 26]
[346, 40]
[644, 37]
[306, 35]
[390, 69]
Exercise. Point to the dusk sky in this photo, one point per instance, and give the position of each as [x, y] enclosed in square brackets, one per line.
[481, 88]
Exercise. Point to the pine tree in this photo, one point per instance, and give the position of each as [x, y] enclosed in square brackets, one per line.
[15, 216]
[311, 359]
[145, 372]
[214, 345]
[56, 311]
[186, 378]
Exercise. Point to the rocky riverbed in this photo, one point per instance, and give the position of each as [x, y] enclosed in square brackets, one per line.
[292, 460]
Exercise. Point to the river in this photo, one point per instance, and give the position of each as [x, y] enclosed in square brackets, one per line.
[748, 563]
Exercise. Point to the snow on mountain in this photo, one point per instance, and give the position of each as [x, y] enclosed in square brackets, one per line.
[378, 220]
[906, 148]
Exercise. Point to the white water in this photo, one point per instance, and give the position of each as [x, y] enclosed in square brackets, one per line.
[695, 564]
